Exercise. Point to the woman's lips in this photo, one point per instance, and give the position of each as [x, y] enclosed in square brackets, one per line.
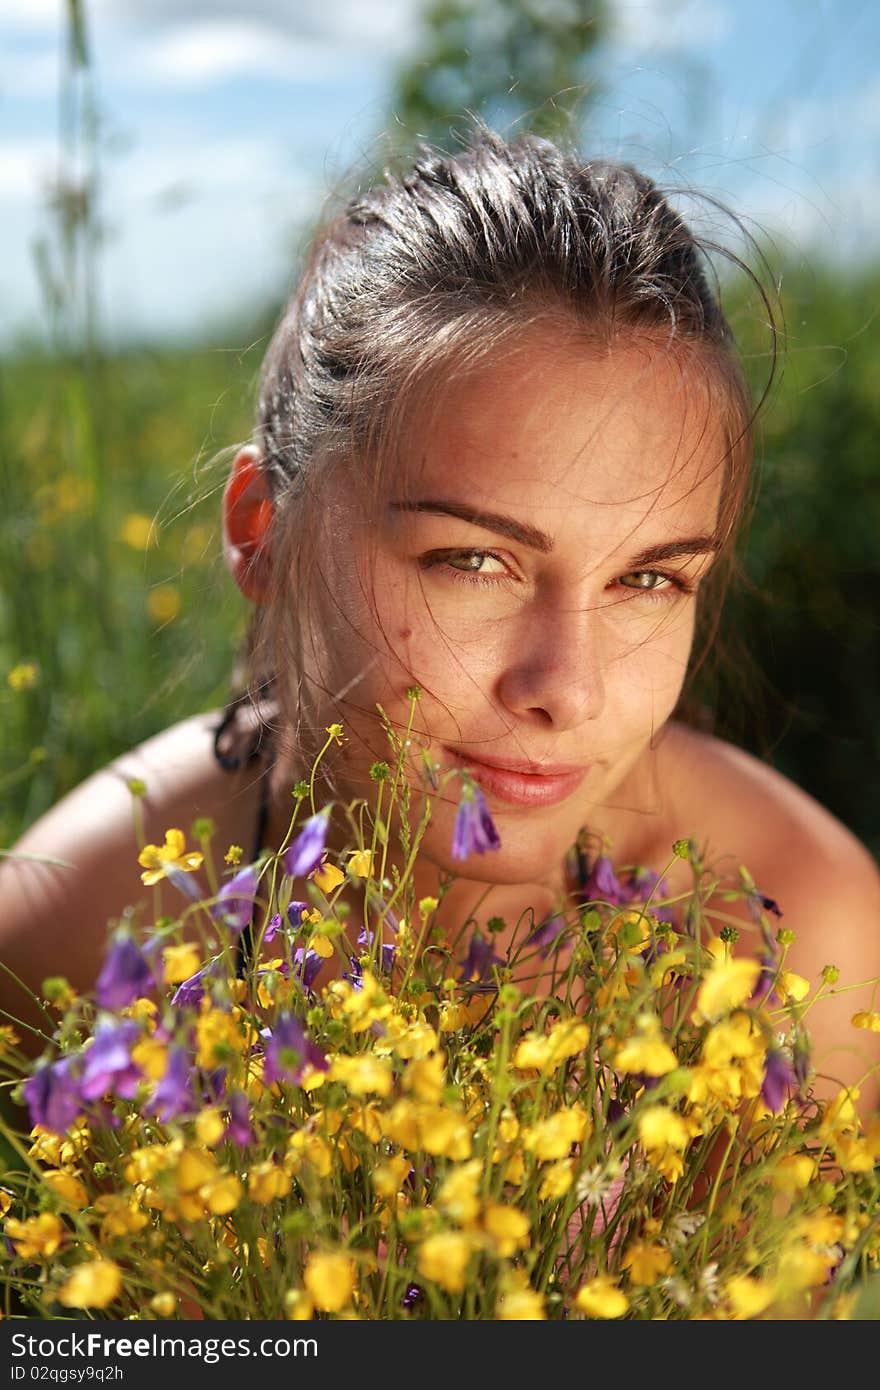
[523, 784]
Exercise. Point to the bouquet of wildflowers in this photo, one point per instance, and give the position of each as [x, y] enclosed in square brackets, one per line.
[207, 1134]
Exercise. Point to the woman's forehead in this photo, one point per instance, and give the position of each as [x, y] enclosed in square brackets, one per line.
[547, 427]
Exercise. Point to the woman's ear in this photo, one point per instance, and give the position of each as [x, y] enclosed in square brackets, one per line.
[247, 517]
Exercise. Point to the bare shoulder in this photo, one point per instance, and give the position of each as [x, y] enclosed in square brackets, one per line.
[743, 808]
[76, 868]
[825, 882]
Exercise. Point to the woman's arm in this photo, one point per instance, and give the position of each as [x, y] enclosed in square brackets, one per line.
[76, 869]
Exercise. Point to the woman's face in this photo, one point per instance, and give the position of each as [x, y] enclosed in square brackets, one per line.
[535, 573]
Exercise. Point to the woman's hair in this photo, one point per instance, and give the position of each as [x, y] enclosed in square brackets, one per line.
[431, 272]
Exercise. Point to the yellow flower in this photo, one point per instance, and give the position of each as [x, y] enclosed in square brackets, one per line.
[335, 732]
[601, 1298]
[388, 1177]
[458, 1197]
[67, 1187]
[137, 531]
[327, 877]
[726, 986]
[303, 1146]
[793, 986]
[554, 1136]
[163, 1304]
[748, 1297]
[426, 1077]
[156, 859]
[367, 1118]
[180, 962]
[92, 1285]
[821, 1228]
[330, 1280]
[321, 945]
[267, 1181]
[867, 1018]
[222, 1195]
[540, 1052]
[210, 1126]
[24, 676]
[151, 1056]
[444, 1259]
[645, 1051]
[233, 855]
[556, 1179]
[736, 1037]
[660, 1127]
[646, 1261]
[363, 1074]
[793, 1173]
[217, 1032]
[36, 1237]
[163, 603]
[409, 1040]
[508, 1228]
[521, 1305]
[298, 1306]
[360, 863]
[632, 928]
[120, 1215]
[195, 1168]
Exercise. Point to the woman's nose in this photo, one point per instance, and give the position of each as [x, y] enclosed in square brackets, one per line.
[554, 676]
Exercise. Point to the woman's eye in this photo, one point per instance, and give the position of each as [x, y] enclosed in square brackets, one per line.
[645, 579]
[474, 562]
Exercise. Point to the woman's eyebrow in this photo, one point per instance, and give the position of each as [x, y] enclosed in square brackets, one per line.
[489, 521]
[666, 550]
[538, 540]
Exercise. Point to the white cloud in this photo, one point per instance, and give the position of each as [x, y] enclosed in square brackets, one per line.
[32, 75]
[377, 27]
[26, 167]
[651, 27]
[199, 54]
[31, 16]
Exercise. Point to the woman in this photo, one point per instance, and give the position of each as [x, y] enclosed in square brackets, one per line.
[501, 452]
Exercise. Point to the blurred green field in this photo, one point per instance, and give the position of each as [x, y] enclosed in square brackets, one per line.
[117, 616]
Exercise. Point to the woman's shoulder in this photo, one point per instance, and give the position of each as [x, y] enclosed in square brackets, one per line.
[76, 868]
[173, 772]
[823, 882]
[737, 805]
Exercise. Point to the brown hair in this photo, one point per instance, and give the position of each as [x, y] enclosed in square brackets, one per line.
[441, 265]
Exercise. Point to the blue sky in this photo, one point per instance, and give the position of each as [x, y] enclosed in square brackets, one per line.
[227, 123]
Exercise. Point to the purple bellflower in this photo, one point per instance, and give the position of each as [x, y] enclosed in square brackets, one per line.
[107, 1064]
[189, 993]
[235, 900]
[764, 983]
[238, 1127]
[546, 933]
[474, 831]
[289, 1051]
[174, 1094]
[779, 1079]
[479, 962]
[601, 885]
[365, 941]
[306, 852]
[126, 974]
[306, 966]
[52, 1096]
